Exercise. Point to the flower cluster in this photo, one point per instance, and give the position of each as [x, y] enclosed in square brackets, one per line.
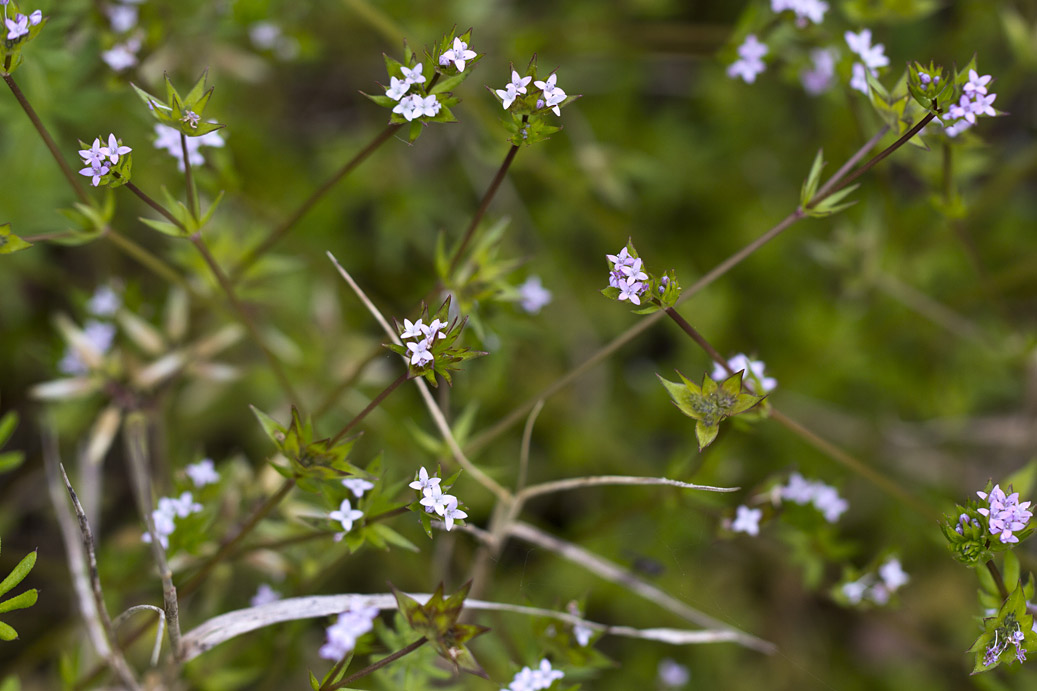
[202, 473]
[824, 497]
[123, 20]
[627, 276]
[420, 349]
[168, 510]
[750, 60]
[550, 96]
[747, 520]
[346, 515]
[974, 101]
[19, 26]
[1005, 515]
[876, 588]
[435, 500]
[168, 139]
[534, 679]
[1009, 634]
[871, 57]
[812, 10]
[351, 625]
[755, 380]
[101, 160]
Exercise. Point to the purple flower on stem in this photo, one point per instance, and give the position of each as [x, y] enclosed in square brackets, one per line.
[95, 173]
[458, 55]
[17, 27]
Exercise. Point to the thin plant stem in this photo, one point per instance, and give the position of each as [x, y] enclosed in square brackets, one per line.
[826, 189]
[375, 402]
[45, 135]
[348, 382]
[527, 438]
[483, 206]
[192, 192]
[996, 574]
[697, 337]
[147, 259]
[384, 662]
[253, 255]
[147, 199]
[135, 431]
[244, 316]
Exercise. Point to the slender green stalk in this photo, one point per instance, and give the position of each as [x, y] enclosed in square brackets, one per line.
[192, 192]
[384, 662]
[45, 135]
[146, 258]
[483, 206]
[253, 255]
[996, 573]
[147, 199]
[375, 402]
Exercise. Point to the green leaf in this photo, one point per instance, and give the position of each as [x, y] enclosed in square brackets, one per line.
[196, 92]
[21, 601]
[8, 423]
[1010, 570]
[272, 427]
[9, 460]
[164, 227]
[314, 682]
[7, 633]
[9, 242]
[392, 537]
[19, 573]
[706, 434]
[813, 179]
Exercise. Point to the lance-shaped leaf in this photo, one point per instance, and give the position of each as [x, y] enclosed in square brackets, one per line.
[710, 403]
[9, 242]
[436, 620]
[21, 601]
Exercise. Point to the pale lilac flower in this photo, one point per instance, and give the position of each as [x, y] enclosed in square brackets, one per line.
[859, 79]
[798, 490]
[345, 515]
[191, 118]
[413, 75]
[750, 62]
[409, 107]
[824, 497]
[747, 520]
[630, 290]
[535, 679]
[458, 55]
[104, 302]
[122, 56]
[419, 353]
[434, 330]
[100, 334]
[450, 511]
[533, 296]
[553, 96]
[343, 634]
[512, 89]
[113, 150]
[122, 17]
[754, 371]
[17, 27]
[435, 500]
[633, 272]
[95, 173]
[424, 483]
[264, 596]
[36, 17]
[397, 88]
[818, 79]
[981, 105]
[164, 517]
[95, 155]
[961, 109]
[829, 503]
[873, 57]
[854, 590]
[414, 329]
[813, 10]
[672, 675]
[264, 35]
[893, 575]
[357, 485]
[957, 128]
[976, 83]
[202, 473]
[429, 106]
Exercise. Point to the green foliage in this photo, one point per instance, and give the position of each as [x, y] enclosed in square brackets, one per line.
[436, 620]
[710, 404]
[21, 601]
[9, 460]
[447, 356]
[9, 242]
[11, 49]
[1010, 631]
[182, 113]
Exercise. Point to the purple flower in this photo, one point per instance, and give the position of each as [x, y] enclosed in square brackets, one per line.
[113, 150]
[17, 27]
[1005, 515]
[458, 55]
[95, 173]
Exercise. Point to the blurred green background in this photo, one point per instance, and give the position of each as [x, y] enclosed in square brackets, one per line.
[897, 332]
